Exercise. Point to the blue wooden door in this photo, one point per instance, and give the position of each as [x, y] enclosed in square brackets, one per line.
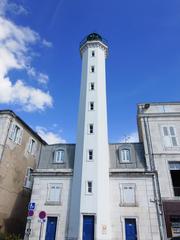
[51, 228]
[88, 227]
[130, 229]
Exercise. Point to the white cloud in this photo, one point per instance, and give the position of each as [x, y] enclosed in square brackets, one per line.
[15, 54]
[43, 78]
[49, 136]
[46, 43]
[11, 7]
[131, 137]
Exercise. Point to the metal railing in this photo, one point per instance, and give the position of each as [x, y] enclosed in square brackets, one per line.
[88, 39]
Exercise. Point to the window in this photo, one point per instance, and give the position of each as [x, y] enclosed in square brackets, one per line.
[92, 69]
[28, 180]
[125, 155]
[54, 192]
[91, 106]
[90, 154]
[91, 86]
[175, 173]
[93, 53]
[89, 187]
[91, 128]
[169, 136]
[32, 146]
[59, 156]
[128, 194]
[16, 134]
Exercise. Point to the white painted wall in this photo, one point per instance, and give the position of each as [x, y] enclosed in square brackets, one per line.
[144, 211]
[162, 115]
[39, 196]
[97, 171]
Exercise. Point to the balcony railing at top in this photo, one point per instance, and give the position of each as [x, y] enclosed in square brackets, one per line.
[98, 38]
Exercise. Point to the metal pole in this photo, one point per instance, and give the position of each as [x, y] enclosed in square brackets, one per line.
[40, 230]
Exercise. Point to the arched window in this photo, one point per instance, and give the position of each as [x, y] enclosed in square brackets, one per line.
[59, 156]
[125, 155]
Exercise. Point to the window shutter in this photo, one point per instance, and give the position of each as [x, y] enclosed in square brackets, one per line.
[165, 131]
[11, 134]
[173, 136]
[19, 136]
[166, 137]
[172, 131]
[34, 148]
[129, 194]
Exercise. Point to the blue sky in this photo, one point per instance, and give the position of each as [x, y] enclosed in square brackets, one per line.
[143, 63]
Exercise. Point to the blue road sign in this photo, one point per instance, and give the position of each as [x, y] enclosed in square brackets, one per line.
[31, 206]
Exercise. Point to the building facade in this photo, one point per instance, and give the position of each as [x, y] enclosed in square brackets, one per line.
[93, 189]
[19, 153]
[159, 129]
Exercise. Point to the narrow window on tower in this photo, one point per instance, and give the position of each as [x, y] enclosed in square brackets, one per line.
[89, 189]
[91, 86]
[91, 106]
[92, 69]
[91, 129]
[90, 155]
[93, 53]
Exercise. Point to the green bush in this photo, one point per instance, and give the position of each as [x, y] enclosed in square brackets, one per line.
[9, 237]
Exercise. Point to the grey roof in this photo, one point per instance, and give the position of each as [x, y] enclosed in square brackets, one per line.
[136, 154]
[136, 150]
[47, 156]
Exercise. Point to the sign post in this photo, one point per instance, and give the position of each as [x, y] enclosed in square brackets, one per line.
[42, 216]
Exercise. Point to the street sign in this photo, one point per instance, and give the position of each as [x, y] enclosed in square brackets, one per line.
[31, 206]
[42, 214]
[30, 213]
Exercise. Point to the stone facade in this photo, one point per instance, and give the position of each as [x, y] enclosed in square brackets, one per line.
[15, 159]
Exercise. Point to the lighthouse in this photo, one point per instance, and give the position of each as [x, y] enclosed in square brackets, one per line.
[89, 205]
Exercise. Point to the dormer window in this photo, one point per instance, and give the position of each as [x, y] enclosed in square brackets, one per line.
[125, 155]
[59, 156]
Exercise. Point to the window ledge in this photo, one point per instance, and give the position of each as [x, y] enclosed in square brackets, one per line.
[53, 203]
[128, 205]
[128, 162]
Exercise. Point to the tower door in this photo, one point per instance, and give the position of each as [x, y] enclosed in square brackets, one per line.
[51, 228]
[130, 229]
[88, 227]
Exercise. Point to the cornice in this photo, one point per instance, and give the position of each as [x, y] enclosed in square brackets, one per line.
[90, 44]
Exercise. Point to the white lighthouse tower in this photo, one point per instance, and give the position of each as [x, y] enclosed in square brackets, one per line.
[89, 207]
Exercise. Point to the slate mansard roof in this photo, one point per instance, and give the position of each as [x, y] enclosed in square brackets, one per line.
[136, 150]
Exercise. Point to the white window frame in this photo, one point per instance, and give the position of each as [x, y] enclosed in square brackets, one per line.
[93, 53]
[91, 104]
[32, 146]
[59, 155]
[123, 155]
[90, 84]
[51, 186]
[89, 128]
[123, 224]
[92, 69]
[168, 139]
[123, 198]
[88, 155]
[87, 187]
[16, 133]
[28, 179]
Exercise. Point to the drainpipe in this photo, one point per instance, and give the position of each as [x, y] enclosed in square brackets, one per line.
[156, 186]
